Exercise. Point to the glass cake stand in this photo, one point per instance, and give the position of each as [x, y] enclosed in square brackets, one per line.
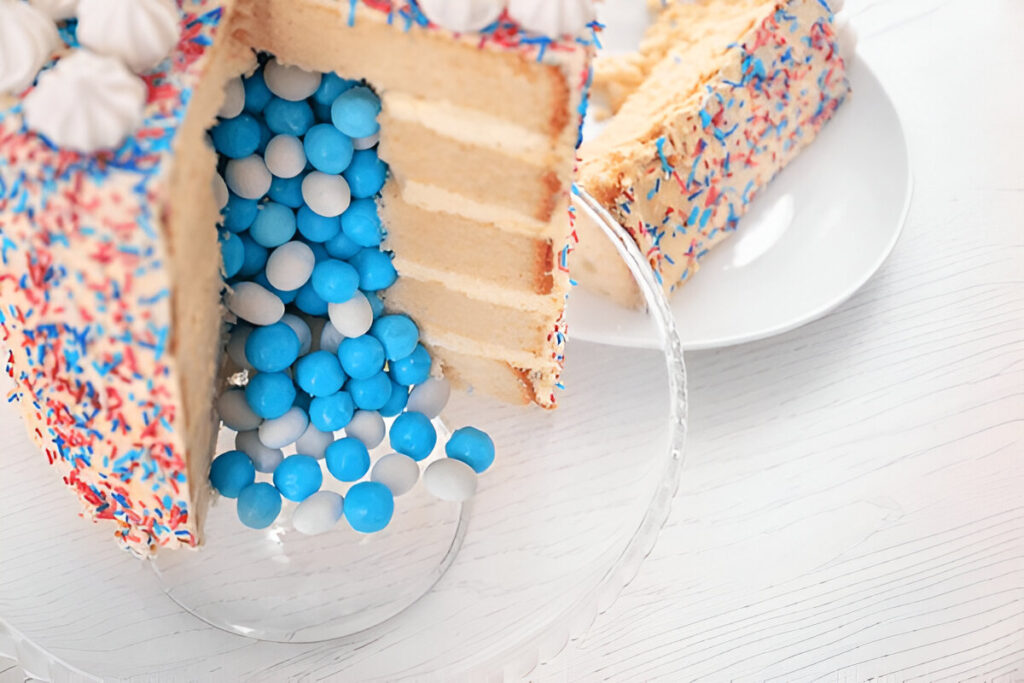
[558, 526]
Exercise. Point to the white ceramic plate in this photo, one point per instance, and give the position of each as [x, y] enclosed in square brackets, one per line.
[811, 239]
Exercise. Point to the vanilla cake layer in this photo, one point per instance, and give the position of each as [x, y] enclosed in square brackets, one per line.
[725, 95]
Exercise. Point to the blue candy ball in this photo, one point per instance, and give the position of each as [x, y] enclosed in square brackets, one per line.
[331, 85]
[354, 112]
[327, 148]
[370, 393]
[471, 446]
[331, 413]
[236, 138]
[361, 223]
[317, 228]
[368, 506]
[239, 213]
[319, 374]
[334, 281]
[298, 477]
[376, 271]
[233, 252]
[270, 394]
[366, 174]
[231, 472]
[413, 369]
[254, 256]
[302, 400]
[257, 94]
[341, 247]
[259, 505]
[396, 402]
[272, 348]
[288, 118]
[361, 357]
[347, 459]
[286, 297]
[398, 334]
[286, 191]
[265, 136]
[413, 435]
[274, 225]
[376, 305]
[309, 302]
[319, 252]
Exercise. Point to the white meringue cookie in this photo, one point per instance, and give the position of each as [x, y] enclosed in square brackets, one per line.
[552, 18]
[141, 33]
[27, 39]
[463, 16]
[57, 9]
[86, 103]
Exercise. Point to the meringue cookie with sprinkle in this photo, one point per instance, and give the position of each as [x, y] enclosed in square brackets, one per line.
[463, 16]
[27, 39]
[57, 10]
[86, 103]
[141, 33]
[552, 18]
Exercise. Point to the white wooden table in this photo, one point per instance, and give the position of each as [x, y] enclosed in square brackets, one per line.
[853, 502]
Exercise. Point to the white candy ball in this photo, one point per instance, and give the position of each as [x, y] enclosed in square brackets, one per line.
[284, 430]
[301, 330]
[234, 99]
[264, 459]
[318, 513]
[450, 479]
[236, 346]
[367, 142]
[235, 412]
[352, 318]
[430, 397]
[330, 339]
[290, 82]
[325, 194]
[220, 191]
[290, 265]
[314, 442]
[248, 177]
[254, 303]
[368, 427]
[285, 156]
[396, 471]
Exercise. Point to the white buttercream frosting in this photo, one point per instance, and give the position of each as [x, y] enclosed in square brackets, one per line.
[463, 16]
[27, 39]
[552, 18]
[141, 33]
[57, 9]
[86, 103]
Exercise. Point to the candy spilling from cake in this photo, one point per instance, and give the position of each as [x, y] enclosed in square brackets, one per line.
[314, 216]
[721, 95]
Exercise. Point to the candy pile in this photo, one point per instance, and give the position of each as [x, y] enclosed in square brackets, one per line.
[298, 180]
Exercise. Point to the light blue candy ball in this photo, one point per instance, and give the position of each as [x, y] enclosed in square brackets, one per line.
[327, 148]
[272, 348]
[347, 459]
[398, 334]
[334, 281]
[413, 369]
[236, 138]
[274, 225]
[317, 228]
[255, 256]
[361, 357]
[366, 174]
[286, 191]
[284, 117]
[368, 506]
[396, 402]
[319, 252]
[331, 413]
[412, 434]
[259, 505]
[341, 247]
[302, 400]
[331, 85]
[298, 477]
[231, 472]
[233, 252]
[376, 305]
[471, 446]
[309, 302]
[270, 394]
[286, 297]
[319, 374]
[361, 223]
[239, 213]
[370, 393]
[376, 271]
[257, 94]
[354, 112]
[265, 136]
